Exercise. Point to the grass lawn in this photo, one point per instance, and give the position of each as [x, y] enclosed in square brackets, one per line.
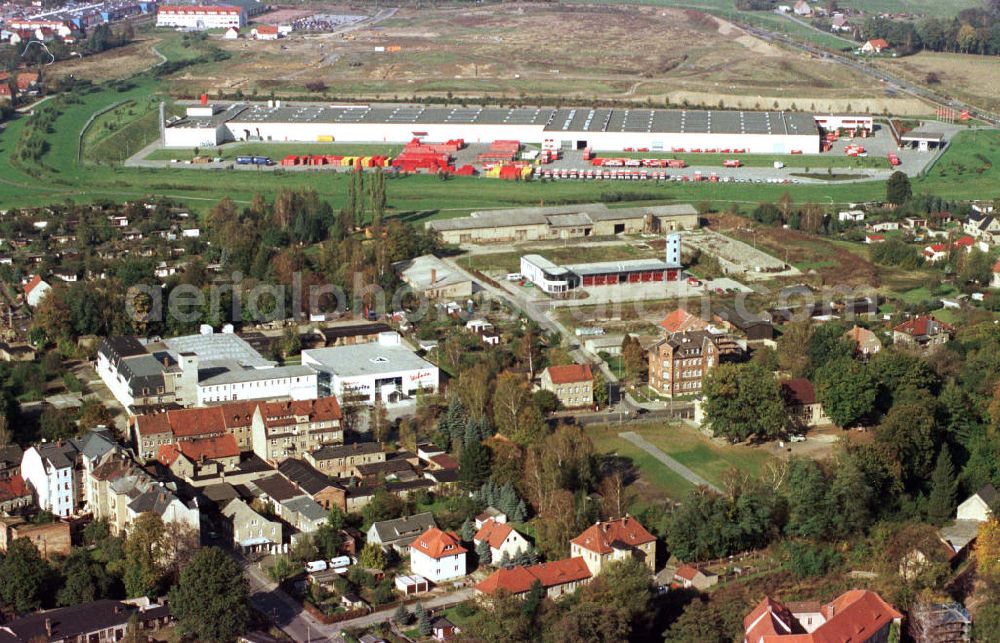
[687, 446]
[276, 151]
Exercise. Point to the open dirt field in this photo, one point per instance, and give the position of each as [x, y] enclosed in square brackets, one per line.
[974, 78]
[110, 65]
[567, 51]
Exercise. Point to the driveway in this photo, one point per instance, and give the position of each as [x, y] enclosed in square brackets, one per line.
[672, 464]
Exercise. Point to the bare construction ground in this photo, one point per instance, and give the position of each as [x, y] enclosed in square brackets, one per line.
[965, 76]
[572, 52]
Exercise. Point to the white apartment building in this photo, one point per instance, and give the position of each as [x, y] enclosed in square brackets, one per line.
[200, 18]
[50, 470]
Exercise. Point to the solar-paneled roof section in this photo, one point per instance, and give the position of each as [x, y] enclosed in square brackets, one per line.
[567, 119]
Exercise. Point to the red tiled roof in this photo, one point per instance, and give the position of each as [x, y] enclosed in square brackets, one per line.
[519, 579]
[923, 325]
[438, 544]
[188, 423]
[876, 237]
[267, 29]
[323, 409]
[445, 461]
[494, 533]
[964, 242]
[996, 267]
[798, 391]
[855, 615]
[32, 284]
[515, 580]
[681, 320]
[223, 446]
[687, 572]
[601, 538]
[878, 43]
[570, 373]
[13, 488]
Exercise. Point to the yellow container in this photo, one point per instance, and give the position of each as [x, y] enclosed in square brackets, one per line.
[324, 138]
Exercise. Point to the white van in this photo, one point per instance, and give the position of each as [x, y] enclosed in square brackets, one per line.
[316, 566]
[514, 276]
[339, 562]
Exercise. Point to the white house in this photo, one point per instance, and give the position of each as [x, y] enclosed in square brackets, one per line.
[802, 8]
[385, 370]
[936, 252]
[979, 506]
[50, 469]
[884, 226]
[851, 215]
[502, 539]
[437, 555]
[876, 46]
[35, 290]
[233, 33]
[874, 238]
[265, 32]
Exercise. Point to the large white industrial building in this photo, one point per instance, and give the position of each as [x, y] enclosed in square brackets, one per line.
[200, 18]
[566, 128]
[385, 370]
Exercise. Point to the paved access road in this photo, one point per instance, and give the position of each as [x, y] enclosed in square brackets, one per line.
[672, 464]
[284, 612]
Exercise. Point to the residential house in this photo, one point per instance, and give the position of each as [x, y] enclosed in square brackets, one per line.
[15, 495]
[343, 461]
[232, 33]
[573, 384]
[249, 530]
[875, 46]
[103, 620]
[852, 216]
[35, 290]
[983, 226]
[304, 513]
[274, 490]
[859, 616]
[437, 555]
[914, 223]
[293, 428]
[839, 23]
[884, 226]
[314, 483]
[678, 363]
[10, 461]
[50, 469]
[802, 8]
[432, 277]
[398, 533]
[979, 506]
[443, 630]
[202, 457]
[866, 343]
[922, 332]
[689, 576]
[264, 32]
[874, 238]
[803, 409]
[604, 542]
[123, 492]
[681, 321]
[936, 252]
[754, 327]
[557, 578]
[502, 540]
[490, 513]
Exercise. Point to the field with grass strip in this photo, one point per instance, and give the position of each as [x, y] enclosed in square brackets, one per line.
[122, 131]
[684, 444]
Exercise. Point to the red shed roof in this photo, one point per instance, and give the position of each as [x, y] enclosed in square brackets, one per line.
[494, 533]
[798, 391]
[519, 579]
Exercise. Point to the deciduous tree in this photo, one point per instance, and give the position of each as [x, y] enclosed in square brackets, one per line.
[210, 601]
[743, 401]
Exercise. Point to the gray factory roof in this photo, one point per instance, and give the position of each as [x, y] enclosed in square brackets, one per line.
[568, 119]
[365, 359]
[218, 347]
[561, 215]
[235, 374]
[607, 267]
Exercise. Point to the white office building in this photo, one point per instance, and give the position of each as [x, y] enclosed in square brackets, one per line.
[384, 370]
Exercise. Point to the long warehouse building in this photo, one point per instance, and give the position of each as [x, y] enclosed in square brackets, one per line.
[601, 129]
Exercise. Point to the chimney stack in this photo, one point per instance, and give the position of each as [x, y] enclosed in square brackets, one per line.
[434, 275]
